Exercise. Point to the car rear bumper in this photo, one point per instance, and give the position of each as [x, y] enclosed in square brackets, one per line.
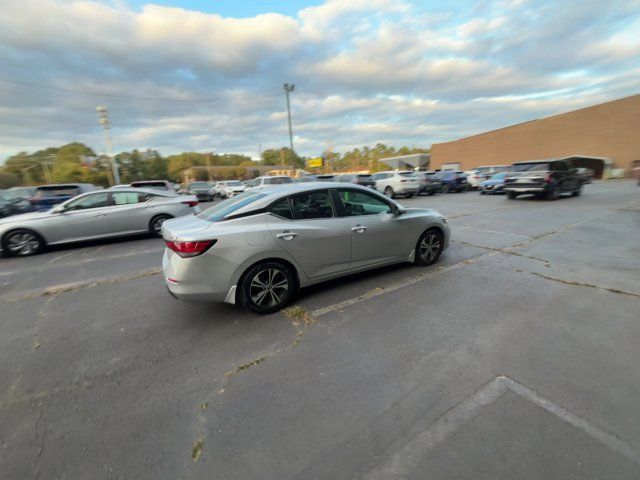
[202, 278]
[525, 189]
[402, 190]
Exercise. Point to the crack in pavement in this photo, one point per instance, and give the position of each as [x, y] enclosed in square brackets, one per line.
[71, 287]
[506, 250]
[301, 320]
[582, 284]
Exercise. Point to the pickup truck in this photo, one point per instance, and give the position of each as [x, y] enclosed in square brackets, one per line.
[543, 178]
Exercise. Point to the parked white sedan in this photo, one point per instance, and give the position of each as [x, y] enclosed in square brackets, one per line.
[97, 214]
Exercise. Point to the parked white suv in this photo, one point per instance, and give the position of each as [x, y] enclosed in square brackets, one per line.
[231, 188]
[269, 180]
[397, 183]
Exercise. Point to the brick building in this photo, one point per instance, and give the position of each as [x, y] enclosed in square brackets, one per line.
[601, 137]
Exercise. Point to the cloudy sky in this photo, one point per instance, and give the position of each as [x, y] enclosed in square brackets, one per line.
[207, 75]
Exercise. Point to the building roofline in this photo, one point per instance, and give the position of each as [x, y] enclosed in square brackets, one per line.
[541, 118]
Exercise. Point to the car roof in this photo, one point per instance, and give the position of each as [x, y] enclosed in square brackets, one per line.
[536, 161]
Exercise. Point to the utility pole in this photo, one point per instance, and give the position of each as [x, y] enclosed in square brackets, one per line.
[103, 120]
[287, 90]
[208, 157]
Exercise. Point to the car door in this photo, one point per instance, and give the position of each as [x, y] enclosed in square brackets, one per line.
[307, 228]
[82, 218]
[377, 234]
[561, 171]
[129, 212]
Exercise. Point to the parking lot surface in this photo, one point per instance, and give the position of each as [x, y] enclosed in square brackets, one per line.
[515, 356]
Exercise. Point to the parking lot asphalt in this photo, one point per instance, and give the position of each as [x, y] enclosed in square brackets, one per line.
[515, 356]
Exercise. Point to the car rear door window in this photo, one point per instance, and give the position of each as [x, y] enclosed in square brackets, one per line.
[282, 208]
[125, 198]
[307, 206]
[361, 203]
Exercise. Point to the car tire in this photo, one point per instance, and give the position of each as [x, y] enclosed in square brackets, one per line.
[512, 195]
[431, 193]
[22, 242]
[257, 292]
[155, 224]
[554, 193]
[429, 247]
[389, 192]
[482, 192]
[445, 188]
[409, 195]
[577, 192]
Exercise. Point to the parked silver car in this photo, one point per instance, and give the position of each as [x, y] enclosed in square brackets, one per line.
[97, 214]
[259, 247]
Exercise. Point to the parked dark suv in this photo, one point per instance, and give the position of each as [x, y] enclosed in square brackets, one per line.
[429, 184]
[544, 179]
[452, 181]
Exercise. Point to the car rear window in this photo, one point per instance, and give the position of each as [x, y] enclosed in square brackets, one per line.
[62, 191]
[199, 185]
[530, 167]
[233, 183]
[407, 174]
[364, 176]
[277, 180]
[223, 209]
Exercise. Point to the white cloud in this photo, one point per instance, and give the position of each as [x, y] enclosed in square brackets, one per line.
[365, 71]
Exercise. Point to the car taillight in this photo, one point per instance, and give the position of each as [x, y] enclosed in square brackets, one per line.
[190, 249]
[191, 203]
[547, 178]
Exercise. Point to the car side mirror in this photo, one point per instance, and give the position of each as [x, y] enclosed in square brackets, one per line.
[399, 211]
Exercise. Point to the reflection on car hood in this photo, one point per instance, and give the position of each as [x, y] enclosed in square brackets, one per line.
[24, 217]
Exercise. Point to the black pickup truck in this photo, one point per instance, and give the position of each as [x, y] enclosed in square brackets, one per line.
[543, 178]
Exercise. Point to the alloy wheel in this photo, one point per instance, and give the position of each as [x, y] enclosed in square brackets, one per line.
[156, 225]
[269, 287]
[23, 243]
[430, 247]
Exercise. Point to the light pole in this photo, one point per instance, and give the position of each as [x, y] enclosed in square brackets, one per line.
[287, 90]
[103, 120]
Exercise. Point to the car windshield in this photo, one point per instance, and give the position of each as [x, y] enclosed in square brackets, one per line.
[407, 174]
[277, 180]
[530, 167]
[234, 183]
[498, 176]
[219, 211]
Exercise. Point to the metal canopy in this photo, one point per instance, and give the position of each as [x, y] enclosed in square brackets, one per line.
[408, 162]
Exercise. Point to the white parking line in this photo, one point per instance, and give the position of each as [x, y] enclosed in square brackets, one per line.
[402, 463]
[395, 286]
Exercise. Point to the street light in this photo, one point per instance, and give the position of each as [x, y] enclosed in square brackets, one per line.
[103, 120]
[287, 90]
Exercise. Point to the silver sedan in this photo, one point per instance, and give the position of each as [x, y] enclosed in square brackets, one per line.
[97, 214]
[258, 248]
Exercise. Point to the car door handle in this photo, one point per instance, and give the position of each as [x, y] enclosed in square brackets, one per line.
[99, 214]
[358, 228]
[286, 235]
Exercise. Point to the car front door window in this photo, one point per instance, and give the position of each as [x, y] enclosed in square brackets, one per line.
[95, 200]
[361, 203]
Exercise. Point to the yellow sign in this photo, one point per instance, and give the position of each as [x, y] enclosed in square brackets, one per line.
[315, 162]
